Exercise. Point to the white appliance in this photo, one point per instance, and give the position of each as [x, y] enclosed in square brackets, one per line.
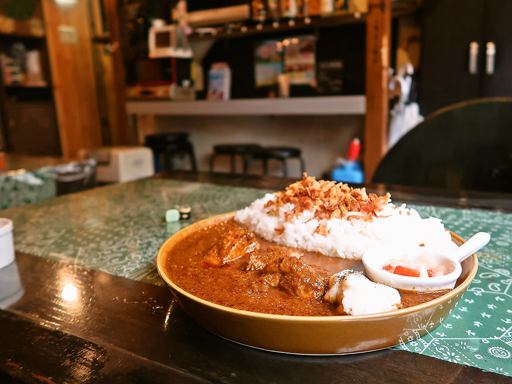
[168, 41]
[120, 164]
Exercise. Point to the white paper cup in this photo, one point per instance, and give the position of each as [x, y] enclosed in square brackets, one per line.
[6, 242]
[11, 289]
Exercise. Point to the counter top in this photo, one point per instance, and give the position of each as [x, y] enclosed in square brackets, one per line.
[321, 105]
[18, 187]
[31, 163]
[89, 287]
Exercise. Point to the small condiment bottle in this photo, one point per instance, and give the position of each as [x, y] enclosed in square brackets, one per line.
[185, 212]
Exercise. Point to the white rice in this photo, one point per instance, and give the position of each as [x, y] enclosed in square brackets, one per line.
[394, 226]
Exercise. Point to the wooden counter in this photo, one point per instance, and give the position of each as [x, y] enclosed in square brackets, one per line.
[322, 105]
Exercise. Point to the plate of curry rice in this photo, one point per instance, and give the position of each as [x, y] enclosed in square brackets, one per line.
[285, 274]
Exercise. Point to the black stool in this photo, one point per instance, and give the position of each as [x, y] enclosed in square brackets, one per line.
[170, 145]
[245, 151]
[281, 154]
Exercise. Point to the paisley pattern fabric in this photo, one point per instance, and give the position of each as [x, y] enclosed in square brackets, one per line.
[118, 229]
[478, 332]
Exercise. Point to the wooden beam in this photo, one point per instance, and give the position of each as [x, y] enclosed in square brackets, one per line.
[74, 85]
[378, 32]
[120, 129]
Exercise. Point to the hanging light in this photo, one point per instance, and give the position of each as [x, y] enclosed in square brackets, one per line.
[66, 3]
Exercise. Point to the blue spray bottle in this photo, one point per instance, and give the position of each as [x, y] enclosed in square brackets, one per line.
[350, 170]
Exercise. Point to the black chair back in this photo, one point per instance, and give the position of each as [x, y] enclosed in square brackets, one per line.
[464, 146]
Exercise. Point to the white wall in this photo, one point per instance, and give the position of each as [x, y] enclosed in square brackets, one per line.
[321, 138]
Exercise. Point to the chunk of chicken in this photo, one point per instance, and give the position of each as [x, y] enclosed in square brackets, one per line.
[271, 279]
[266, 281]
[235, 244]
[287, 272]
[266, 261]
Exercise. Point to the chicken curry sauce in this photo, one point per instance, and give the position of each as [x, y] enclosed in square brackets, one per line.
[227, 264]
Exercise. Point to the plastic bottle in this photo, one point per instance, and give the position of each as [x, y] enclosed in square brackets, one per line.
[350, 170]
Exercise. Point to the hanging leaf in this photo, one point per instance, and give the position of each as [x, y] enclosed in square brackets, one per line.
[19, 10]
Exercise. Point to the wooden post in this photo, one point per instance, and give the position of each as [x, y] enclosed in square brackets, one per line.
[120, 129]
[378, 30]
[72, 68]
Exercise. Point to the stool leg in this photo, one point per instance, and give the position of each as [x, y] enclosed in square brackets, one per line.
[285, 167]
[168, 163]
[192, 157]
[265, 166]
[157, 161]
[302, 166]
[233, 163]
[212, 163]
[245, 164]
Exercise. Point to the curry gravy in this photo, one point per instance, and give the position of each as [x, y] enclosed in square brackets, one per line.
[231, 286]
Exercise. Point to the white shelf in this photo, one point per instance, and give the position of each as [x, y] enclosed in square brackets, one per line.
[321, 105]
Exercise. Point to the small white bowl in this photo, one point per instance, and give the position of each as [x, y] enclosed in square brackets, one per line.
[376, 258]
[6, 242]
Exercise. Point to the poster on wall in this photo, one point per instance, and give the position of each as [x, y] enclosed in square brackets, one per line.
[299, 59]
[268, 62]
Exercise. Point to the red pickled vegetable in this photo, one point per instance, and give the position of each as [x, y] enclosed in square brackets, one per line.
[388, 268]
[404, 271]
[430, 272]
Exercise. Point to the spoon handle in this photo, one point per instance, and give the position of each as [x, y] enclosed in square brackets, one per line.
[474, 244]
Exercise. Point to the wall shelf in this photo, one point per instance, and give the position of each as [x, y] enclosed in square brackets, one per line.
[19, 36]
[399, 9]
[282, 26]
[22, 87]
[322, 105]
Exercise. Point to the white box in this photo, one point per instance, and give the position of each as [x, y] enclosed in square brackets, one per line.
[120, 164]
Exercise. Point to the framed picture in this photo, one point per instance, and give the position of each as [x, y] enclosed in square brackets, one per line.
[269, 62]
[299, 59]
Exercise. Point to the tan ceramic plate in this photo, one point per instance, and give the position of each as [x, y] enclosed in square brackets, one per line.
[309, 334]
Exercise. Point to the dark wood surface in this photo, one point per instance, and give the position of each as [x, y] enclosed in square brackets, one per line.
[497, 29]
[123, 331]
[448, 27]
[74, 325]
[18, 161]
[444, 74]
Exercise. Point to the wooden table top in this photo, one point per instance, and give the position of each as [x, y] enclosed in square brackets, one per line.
[75, 325]
[30, 163]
